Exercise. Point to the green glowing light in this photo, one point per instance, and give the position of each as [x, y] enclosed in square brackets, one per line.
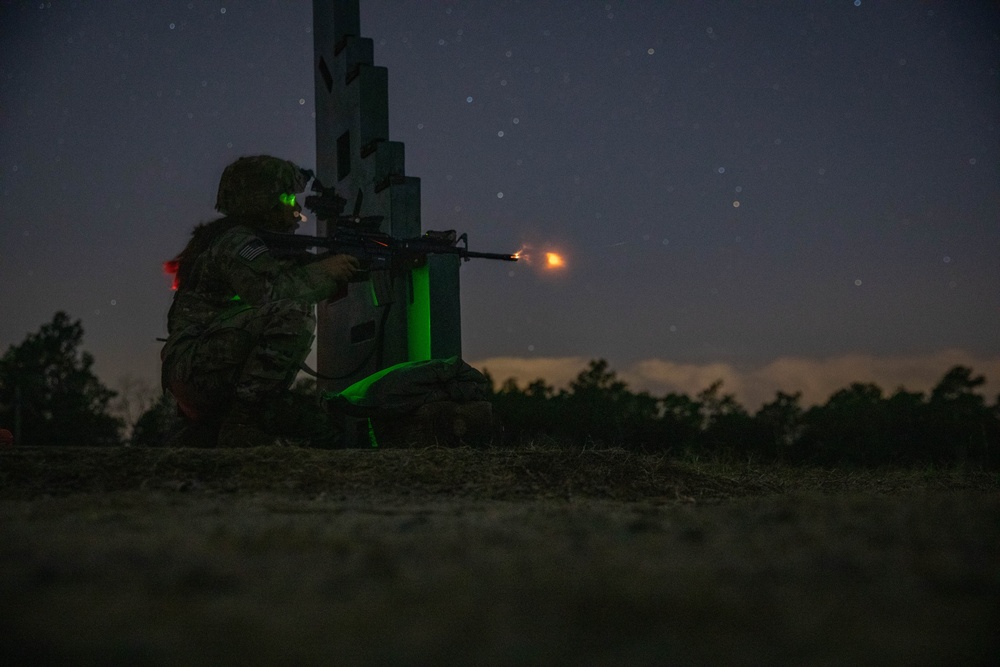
[236, 297]
[287, 199]
[418, 316]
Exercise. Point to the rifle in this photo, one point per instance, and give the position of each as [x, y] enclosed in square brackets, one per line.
[360, 237]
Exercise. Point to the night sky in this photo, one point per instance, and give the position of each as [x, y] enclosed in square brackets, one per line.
[784, 196]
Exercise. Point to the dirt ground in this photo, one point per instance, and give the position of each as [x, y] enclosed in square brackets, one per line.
[491, 557]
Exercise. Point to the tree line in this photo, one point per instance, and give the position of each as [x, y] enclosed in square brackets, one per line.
[49, 395]
[859, 425]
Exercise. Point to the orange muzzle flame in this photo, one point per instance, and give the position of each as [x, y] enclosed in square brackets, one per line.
[542, 261]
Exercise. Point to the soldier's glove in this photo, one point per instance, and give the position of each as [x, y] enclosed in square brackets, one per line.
[341, 267]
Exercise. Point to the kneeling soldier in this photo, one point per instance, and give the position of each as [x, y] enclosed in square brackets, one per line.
[241, 323]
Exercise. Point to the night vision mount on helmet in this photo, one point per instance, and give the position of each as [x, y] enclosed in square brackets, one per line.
[254, 185]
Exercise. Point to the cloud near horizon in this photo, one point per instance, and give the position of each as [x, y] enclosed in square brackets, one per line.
[817, 379]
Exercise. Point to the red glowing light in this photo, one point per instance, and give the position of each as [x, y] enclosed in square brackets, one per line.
[171, 268]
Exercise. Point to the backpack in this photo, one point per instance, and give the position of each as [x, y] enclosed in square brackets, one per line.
[417, 402]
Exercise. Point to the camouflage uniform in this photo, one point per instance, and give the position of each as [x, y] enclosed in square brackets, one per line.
[241, 323]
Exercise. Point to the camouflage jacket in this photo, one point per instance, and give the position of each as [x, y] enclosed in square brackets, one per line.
[234, 272]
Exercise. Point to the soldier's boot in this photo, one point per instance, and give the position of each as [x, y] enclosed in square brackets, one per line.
[242, 427]
[301, 421]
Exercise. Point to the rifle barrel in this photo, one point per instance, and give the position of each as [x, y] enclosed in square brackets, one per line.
[490, 255]
[418, 245]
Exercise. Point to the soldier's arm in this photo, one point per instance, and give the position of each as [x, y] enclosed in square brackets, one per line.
[258, 278]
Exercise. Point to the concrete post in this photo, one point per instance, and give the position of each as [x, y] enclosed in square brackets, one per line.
[398, 315]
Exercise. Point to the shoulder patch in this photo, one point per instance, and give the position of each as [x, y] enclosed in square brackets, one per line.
[253, 249]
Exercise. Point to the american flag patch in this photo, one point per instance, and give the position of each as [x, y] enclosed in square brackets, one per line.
[252, 250]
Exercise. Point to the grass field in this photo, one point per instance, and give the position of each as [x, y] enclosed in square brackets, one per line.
[462, 556]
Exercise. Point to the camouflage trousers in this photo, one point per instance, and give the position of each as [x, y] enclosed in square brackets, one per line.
[248, 354]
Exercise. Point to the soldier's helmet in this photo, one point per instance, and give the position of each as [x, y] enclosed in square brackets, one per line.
[252, 185]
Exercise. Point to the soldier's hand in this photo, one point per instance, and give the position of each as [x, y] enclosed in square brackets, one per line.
[341, 267]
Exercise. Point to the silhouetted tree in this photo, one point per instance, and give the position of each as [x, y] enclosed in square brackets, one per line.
[680, 422]
[725, 427]
[159, 424]
[906, 431]
[47, 388]
[526, 414]
[599, 408]
[992, 458]
[778, 425]
[850, 428]
[134, 397]
[959, 420]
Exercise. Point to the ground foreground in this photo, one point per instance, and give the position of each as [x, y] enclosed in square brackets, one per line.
[459, 556]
